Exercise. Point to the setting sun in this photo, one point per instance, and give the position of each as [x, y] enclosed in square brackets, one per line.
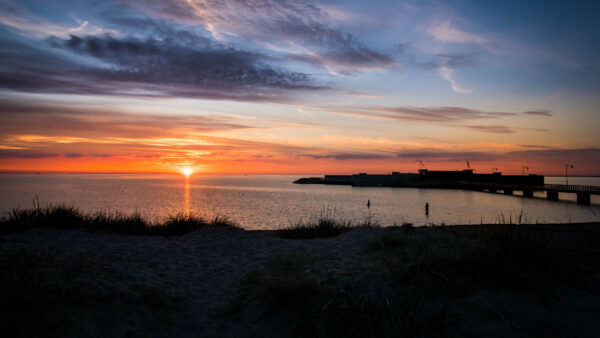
[187, 171]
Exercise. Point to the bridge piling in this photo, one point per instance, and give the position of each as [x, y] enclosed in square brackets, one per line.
[508, 191]
[583, 198]
[527, 193]
[552, 195]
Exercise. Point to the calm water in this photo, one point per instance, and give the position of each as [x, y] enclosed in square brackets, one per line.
[271, 202]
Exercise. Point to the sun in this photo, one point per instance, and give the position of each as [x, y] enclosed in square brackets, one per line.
[187, 171]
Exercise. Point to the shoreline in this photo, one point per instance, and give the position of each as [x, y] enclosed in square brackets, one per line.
[219, 282]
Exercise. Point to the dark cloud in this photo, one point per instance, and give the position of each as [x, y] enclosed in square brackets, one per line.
[440, 114]
[35, 154]
[447, 155]
[150, 67]
[561, 154]
[534, 146]
[447, 116]
[25, 154]
[423, 114]
[159, 29]
[275, 23]
[347, 156]
[538, 112]
[53, 120]
[496, 129]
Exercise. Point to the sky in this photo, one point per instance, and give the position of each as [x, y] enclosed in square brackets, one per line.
[299, 87]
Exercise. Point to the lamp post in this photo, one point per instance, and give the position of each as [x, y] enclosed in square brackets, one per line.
[524, 170]
[567, 166]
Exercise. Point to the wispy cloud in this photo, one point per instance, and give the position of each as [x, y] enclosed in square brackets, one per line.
[538, 113]
[365, 95]
[13, 16]
[496, 129]
[445, 31]
[81, 124]
[300, 28]
[347, 156]
[447, 155]
[422, 114]
[448, 74]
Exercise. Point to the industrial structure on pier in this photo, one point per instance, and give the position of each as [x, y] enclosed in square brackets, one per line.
[460, 179]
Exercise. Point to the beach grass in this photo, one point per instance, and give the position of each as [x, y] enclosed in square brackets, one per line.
[288, 288]
[324, 226]
[525, 258]
[418, 279]
[69, 217]
[37, 288]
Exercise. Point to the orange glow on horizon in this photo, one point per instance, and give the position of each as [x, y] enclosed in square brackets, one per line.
[187, 171]
[275, 165]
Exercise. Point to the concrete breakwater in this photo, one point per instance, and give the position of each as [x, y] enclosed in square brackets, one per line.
[463, 179]
[426, 179]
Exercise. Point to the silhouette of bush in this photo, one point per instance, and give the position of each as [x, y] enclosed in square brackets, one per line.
[68, 217]
[322, 227]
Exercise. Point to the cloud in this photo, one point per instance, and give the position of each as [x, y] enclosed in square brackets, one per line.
[538, 113]
[423, 114]
[449, 60]
[130, 66]
[446, 32]
[447, 155]
[446, 116]
[14, 16]
[347, 156]
[83, 123]
[365, 95]
[299, 28]
[496, 129]
[561, 154]
[447, 74]
[534, 146]
[34, 154]
[25, 154]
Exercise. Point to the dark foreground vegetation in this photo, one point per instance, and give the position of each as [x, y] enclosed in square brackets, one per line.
[423, 285]
[358, 280]
[69, 217]
[324, 226]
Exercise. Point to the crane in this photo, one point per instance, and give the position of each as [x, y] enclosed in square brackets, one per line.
[421, 164]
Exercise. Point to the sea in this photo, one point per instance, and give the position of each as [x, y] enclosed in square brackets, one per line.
[266, 202]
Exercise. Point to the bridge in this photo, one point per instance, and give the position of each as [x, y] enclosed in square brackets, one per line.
[583, 192]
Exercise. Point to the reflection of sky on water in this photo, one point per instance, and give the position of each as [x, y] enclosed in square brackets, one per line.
[269, 202]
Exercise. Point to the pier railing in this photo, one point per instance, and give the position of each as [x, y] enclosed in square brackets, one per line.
[573, 188]
[591, 189]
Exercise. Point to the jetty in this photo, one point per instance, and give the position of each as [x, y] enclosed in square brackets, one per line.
[461, 179]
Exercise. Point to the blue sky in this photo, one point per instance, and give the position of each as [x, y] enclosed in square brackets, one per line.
[340, 85]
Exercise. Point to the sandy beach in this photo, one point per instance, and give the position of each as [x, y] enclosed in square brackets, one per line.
[100, 284]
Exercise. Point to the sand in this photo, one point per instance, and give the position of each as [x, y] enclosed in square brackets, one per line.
[131, 286]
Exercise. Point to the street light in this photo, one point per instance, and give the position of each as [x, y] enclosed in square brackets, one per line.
[567, 166]
[524, 170]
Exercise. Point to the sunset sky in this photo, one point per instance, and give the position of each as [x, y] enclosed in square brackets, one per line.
[303, 87]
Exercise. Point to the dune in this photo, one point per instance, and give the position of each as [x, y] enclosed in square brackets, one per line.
[217, 282]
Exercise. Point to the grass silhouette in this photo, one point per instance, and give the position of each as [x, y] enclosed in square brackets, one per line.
[69, 217]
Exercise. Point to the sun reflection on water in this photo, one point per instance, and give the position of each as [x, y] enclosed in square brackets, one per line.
[187, 208]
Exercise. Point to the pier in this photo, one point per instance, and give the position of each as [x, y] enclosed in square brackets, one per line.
[463, 179]
[583, 192]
